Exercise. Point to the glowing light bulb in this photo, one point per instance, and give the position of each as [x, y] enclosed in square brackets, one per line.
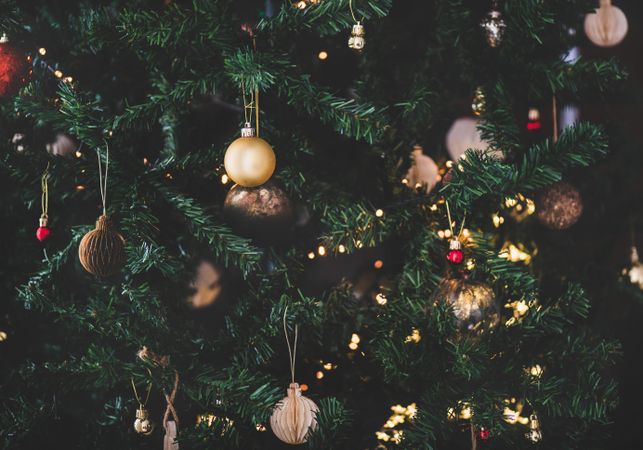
[319, 375]
[341, 249]
[321, 250]
[379, 213]
[323, 55]
[42, 51]
[311, 255]
[381, 299]
[378, 264]
[58, 74]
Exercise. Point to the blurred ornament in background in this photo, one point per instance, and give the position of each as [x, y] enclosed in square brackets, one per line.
[559, 206]
[14, 67]
[607, 26]
[249, 160]
[263, 212]
[478, 103]
[357, 39]
[494, 26]
[464, 135]
[635, 272]
[423, 174]
[206, 285]
[569, 115]
[484, 433]
[62, 145]
[474, 305]
[19, 142]
[533, 120]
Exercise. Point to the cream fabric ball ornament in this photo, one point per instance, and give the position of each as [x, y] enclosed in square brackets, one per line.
[464, 135]
[249, 160]
[295, 416]
[607, 26]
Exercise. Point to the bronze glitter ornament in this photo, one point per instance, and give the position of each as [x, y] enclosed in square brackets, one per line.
[474, 305]
[261, 212]
[559, 206]
[494, 26]
[102, 250]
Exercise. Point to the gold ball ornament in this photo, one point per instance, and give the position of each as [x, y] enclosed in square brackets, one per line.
[249, 161]
[474, 305]
[143, 425]
[559, 206]
[102, 250]
[294, 417]
[607, 26]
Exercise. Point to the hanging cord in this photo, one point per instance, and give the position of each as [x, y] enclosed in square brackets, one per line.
[149, 389]
[554, 115]
[292, 353]
[102, 179]
[350, 6]
[474, 439]
[44, 199]
[169, 398]
[451, 222]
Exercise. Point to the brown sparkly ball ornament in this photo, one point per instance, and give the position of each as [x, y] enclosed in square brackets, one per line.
[249, 161]
[494, 26]
[102, 250]
[559, 206]
[262, 212]
[474, 305]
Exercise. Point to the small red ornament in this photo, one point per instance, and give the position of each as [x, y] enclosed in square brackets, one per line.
[43, 231]
[534, 120]
[484, 433]
[14, 67]
[455, 255]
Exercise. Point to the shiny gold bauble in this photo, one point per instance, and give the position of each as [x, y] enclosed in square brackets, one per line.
[249, 161]
[294, 417]
[143, 425]
[474, 305]
[102, 250]
[607, 26]
[559, 206]
[264, 212]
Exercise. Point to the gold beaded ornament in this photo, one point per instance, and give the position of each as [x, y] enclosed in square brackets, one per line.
[295, 416]
[102, 250]
[143, 424]
[357, 39]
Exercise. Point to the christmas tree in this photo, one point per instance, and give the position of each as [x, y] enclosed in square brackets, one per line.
[370, 234]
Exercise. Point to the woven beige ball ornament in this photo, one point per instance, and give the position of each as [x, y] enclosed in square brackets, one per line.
[607, 26]
[102, 250]
[249, 161]
[295, 416]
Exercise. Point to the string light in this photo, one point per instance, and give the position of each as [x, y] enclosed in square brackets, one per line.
[400, 415]
[210, 418]
[80, 187]
[329, 366]
[378, 264]
[169, 176]
[354, 343]
[58, 74]
[224, 178]
[3, 336]
[78, 154]
[311, 255]
[462, 411]
[497, 220]
[535, 371]
[261, 427]
[321, 250]
[381, 299]
[379, 212]
[319, 375]
[303, 387]
[516, 252]
[323, 55]
[341, 249]
[42, 51]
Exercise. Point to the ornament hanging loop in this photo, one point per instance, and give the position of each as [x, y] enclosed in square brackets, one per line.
[44, 200]
[292, 352]
[102, 179]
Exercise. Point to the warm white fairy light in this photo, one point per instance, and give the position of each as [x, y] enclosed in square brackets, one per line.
[414, 337]
[323, 55]
[224, 178]
[311, 255]
[379, 212]
[321, 250]
[401, 415]
[261, 427]
[341, 248]
[381, 299]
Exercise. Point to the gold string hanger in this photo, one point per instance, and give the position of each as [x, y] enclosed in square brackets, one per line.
[102, 179]
[147, 397]
[350, 6]
[292, 353]
[464, 218]
[249, 106]
[44, 199]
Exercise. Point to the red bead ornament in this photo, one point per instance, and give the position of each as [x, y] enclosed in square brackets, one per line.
[484, 433]
[455, 255]
[43, 231]
[534, 120]
[14, 67]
